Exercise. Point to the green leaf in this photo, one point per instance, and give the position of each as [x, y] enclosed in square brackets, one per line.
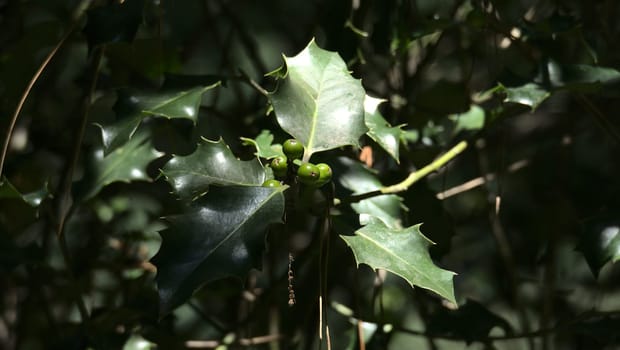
[126, 164]
[213, 163]
[470, 120]
[530, 94]
[578, 75]
[132, 107]
[402, 252]
[470, 322]
[33, 199]
[599, 240]
[385, 135]
[355, 177]
[319, 103]
[222, 234]
[264, 146]
[116, 22]
[137, 342]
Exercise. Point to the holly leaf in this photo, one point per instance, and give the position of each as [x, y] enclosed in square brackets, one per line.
[213, 163]
[385, 135]
[33, 199]
[471, 120]
[357, 178]
[222, 234]
[318, 102]
[581, 76]
[133, 106]
[116, 22]
[530, 94]
[599, 240]
[403, 252]
[127, 163]
[470, 322]
[263, 145]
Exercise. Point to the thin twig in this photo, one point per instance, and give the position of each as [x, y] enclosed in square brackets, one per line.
[64, 191]
[411, 179]
[20, 104]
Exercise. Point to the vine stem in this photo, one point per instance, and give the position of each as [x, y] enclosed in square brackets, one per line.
[22, 101]
[63, 205]
[411, 179]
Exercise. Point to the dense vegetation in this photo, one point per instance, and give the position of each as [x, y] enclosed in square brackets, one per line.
[309, 174]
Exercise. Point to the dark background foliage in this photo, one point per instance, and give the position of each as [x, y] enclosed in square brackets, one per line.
[528, 216]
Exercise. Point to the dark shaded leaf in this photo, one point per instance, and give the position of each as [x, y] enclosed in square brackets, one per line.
[33, 199]
[132, 107]
[357, 178]
[116, 22]
[213, 163]
[579, 75]
[126, 164]
[599, 241]
[221, 235]
[470, 322]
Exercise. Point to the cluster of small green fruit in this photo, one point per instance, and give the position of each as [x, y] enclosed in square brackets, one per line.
[284, 167]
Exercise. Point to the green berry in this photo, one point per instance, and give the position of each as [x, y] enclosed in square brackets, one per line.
[293, 149]
[308, 173]
[325, 174]
[272, 183]
[279, 165]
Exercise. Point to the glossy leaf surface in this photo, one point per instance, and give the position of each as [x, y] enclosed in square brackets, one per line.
[221, 235]
[403, 252]
[213, 163]
[319, 103]
[126, 163]
[387, 136]
[33, 199]
[530, 94]
[133, 106]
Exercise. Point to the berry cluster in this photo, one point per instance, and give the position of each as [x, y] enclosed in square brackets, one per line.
[305, 173]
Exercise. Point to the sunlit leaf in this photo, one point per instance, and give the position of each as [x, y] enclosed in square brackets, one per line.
[403, 252]
[213, 163]
[385, 135]
[132, 107]
[221, 235]
[357, 178]
[137, 342]
[319, 102]
[263, 143]
[530, 94]
[126, 164]
[471, 120]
